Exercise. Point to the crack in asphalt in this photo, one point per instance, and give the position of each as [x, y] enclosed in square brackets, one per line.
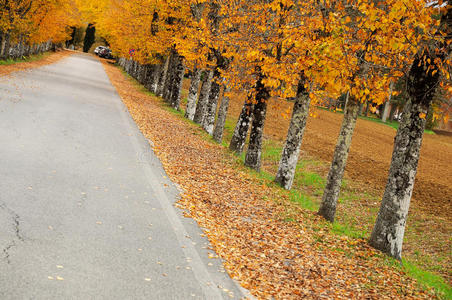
[6, 251]
[17, 233]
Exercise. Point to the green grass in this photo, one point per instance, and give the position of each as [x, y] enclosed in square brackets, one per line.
[271, 151]
[347, 230]
[392, 124]
[30, 58]
[312, 179]
[304, 200]
[426, 279]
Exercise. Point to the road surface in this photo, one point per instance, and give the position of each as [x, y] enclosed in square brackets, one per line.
[86, 211]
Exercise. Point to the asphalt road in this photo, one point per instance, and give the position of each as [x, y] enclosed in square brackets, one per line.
[86, 211]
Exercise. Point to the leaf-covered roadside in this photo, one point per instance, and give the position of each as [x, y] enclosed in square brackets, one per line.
[33, 62]
[245, 219]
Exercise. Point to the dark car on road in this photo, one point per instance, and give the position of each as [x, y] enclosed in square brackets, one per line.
[105, 53]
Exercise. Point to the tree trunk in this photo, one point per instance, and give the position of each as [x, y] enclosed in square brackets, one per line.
[1, 43]
[145, 75]
[169, 78]
[203, 98]
[5, 46]
[193, 93]
[392, 112]
[334, 180]
[155, 78]
[128, 64]
[387, 105]
[385, 113]
[389, 229]
[222, 114]
[162, 78]
[211, 108]
[291, 151]
[360, 109]
[135, 69]
[149, 71]
[179, 71]
[366, 112]
[241, 128]
[141, 73]
[388, 232]
[422, 81]
[254, 152]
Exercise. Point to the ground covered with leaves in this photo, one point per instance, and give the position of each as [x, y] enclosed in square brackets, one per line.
[271, 246]
[36, 61]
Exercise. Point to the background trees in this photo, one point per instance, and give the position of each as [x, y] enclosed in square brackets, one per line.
[89, 37]
[31, 26]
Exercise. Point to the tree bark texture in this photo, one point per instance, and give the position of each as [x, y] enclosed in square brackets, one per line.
[134, 69]
[387, 105]
[211, 108]
[334, 179]
[201, 107]
[193, 93]
[389, 229]
[169, 79]
[148, 76]
[140, 72]
[22, 48]
[162, 78]
[222, 114]
[392, 112]
[291, 150]
[178, 78]
[241, 128]
[254, 151]
[155, 78]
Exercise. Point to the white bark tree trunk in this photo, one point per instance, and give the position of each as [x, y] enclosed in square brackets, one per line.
[193, 93]
[155, 80]
[422, 82]
[222, 114]
[334, 179]
[162, 78]
[241, 128]
[179, 71]
[211, 108]
[389, 229]
[291, 150]
[169, 79]
[387, 106]
[254, 151]
[201, 107]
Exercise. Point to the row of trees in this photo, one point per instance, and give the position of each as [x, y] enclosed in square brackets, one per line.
[34, 26]
[306, 50]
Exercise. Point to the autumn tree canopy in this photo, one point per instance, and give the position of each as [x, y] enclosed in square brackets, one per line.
[37, 21]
